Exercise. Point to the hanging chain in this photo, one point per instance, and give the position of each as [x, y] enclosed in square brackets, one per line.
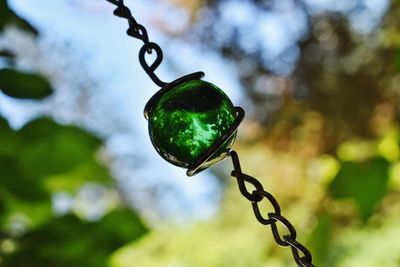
[138, 31]
[300, 253]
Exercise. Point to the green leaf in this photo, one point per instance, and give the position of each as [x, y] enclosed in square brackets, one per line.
[2, 206]
[24, 85]
[9, 139]
[365, 182]
[321, 240]
[45, 157]
[84, 173]
[62, 242]
[23, 24]
[8, 16]
[397, 60]
[124, 225]
[52, 148]
[53, 156]
[66, 241]
[40, 128]
[6, 53]
[3, 217]
[17, 184]
[4, 14]
[35, 213]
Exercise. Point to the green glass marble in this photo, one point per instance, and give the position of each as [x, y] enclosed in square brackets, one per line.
[188, 119]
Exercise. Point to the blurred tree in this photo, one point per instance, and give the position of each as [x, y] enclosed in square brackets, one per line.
[335, 71]
[23, 85]
[324, 130]
[338, 88]
[323, 120]
[39, 160]
[68, 241]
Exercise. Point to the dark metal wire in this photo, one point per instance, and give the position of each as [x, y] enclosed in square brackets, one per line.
[273, 218]
[197, 165]
[138, 31]
[256, 196]
[154, 99]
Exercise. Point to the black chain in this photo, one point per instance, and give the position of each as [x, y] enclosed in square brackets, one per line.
[273, 218]
[138, 31]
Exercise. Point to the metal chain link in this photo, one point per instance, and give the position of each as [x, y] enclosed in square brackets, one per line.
[138, 31]
[301, 254]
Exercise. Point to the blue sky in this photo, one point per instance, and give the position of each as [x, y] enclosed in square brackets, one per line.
[83, 42]
[84, 50]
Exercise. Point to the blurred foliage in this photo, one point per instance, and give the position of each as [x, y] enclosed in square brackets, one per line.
[40, 160]
[353, 176]
[68, 241]
[324, 140]
[23, 85]
[8, 16]
[44, 154]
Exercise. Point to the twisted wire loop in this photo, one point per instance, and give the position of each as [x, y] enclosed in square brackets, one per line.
[301, 254]
[138, 31]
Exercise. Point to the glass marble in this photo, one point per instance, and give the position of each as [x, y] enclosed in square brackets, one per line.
[187, 120]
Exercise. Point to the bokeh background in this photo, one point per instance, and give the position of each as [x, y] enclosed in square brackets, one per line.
[81, 185]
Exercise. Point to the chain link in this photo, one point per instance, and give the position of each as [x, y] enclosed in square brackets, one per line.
[138, 31]
[274, 218]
